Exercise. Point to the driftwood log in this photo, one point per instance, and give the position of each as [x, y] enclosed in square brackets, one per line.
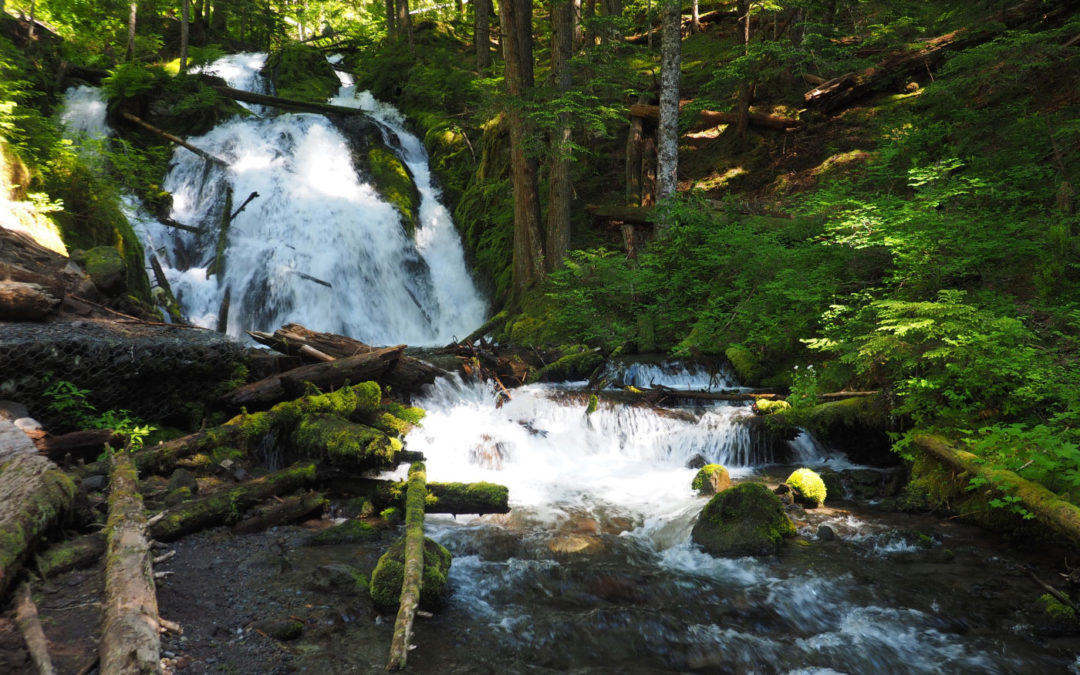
[129, 630]
[226, 507]
[34, 496]
[414, 566]
[26, 617]
[20, 300]
[713, 118]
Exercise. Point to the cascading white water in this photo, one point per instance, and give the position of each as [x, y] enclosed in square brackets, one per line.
[671, 374]
[318, 246]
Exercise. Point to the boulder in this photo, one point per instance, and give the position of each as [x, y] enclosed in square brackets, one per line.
[107, 268]
[710, 479]
[808, 487]
[746, 519]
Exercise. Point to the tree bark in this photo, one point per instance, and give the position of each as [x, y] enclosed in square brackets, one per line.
[516, 38]
[712, 118]
[695, 17]
[746, 89]
[223, 508]
[404, 23]
[414, 566]
[83, 445]
[635, 141]
[26, 617]
[34, 496]
[24, 301]
[668, 133]
[331, 375]
[559, 188]
[129, 629]
[129, 56]
[220, 22]
[482, 34]
[391, 19]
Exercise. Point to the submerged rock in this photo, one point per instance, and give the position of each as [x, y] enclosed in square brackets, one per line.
[711, 479]
[746, 519]
[808, 487]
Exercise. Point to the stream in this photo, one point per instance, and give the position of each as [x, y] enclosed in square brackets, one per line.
[593, 570]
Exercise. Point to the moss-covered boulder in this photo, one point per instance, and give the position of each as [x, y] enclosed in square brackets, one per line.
[351, 531]
[302, 73]
[389, 572]
[106, 267]
[395, 184]
[578, 363]
[808, 487]
[765, 406]
[711, 479]
[746, 519]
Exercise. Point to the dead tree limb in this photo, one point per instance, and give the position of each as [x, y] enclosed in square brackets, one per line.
[414, 566]
[175, 139]
[129, 630]
[26, 617]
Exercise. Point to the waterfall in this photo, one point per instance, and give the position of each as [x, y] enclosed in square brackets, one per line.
[318, 246]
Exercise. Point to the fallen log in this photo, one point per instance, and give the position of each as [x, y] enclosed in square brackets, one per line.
[288, 103]
[713, 118]
[21, 301]
[326, 376]
[454, 498]
[289, 510]
[34, 496]
[69, 555]
[343, 443]
[12, 272]
[847, 88]
[225, 507]
[175, 139]
[26, 618]
[86, 444]
[14, 441]
[129, 629]
[1058, 514]
[162, 458]
[415, 499]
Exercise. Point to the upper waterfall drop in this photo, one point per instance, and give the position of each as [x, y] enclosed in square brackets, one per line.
[318, 246]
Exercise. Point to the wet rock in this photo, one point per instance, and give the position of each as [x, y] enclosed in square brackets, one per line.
[182, 478]
[696, 462]
[826, 533]
[94, 483]
[339, 578]
[785, 493]
[711, 479]
[107, 269]
[11, 411]
[177, 496]
[746, 519]
[349, 532]
[279, 629]
[575, 543]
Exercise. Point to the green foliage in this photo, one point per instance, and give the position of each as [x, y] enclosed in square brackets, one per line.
[804, 387]
[129, 81]
[70, 404]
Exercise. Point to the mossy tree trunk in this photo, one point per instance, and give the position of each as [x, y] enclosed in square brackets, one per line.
[414, 566]
[129, 629]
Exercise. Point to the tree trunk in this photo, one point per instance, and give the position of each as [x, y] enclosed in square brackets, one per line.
[746, 89]
[34, 496]
[175, 139]
[559, 188]
[220, 23]
[482, 34]
[129, 629]
[391, 19]
[516, 38]
[635, 139]
[289, 510]
[414, 566]
[21, 301]
[130, 55]
[695, 17]
[79, 445]
[185, 28]
[404, 22]
[589, 14]
[579, 35]
[225, 507]
[668, 133]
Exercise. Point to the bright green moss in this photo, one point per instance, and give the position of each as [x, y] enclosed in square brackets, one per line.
[768, 406]
[808, 487]
[746, 366]
[1057, 610]
[747, 519]
[594, 403]
[710, 479]
[578, 365]
[395, 184]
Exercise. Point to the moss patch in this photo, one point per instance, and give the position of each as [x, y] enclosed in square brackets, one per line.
[577, 365]
[301, 72]
[808, 487]
[711, 479]
[395, 184]
[350, 532]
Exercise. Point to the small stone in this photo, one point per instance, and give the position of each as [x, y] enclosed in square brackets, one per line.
[826, 533]
[94, 483]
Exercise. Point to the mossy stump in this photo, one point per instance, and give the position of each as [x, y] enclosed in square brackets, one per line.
[746, 519]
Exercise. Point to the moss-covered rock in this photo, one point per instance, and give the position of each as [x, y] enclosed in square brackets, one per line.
[808, 487]
[389, 572]
[711, 479]
[106, 267]
[746, 519]
[579, 363]
[395, 184]
[349, 532]
[301, 72]
[765, 406]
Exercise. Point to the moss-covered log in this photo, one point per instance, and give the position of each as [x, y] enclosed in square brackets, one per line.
[26, 617]
[412, 575]
[129, 629]
[454, 498]
[1059, 515]
[34, 496]
[345, 443]
[71, 554]
[289, 510]
[226, 507]
[162, 458]
[326, 376]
